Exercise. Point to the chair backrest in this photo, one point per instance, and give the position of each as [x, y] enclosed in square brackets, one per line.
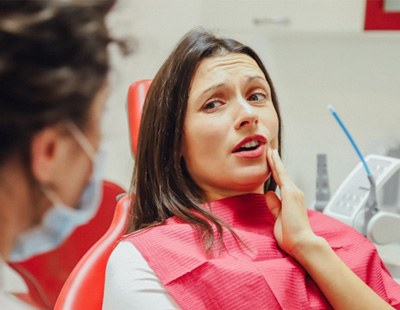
[45, 274]
[136, 97]
[84, 288]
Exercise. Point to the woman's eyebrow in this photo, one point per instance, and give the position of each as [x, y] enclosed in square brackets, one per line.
[259, 78]
[256, 77]
[212, 88]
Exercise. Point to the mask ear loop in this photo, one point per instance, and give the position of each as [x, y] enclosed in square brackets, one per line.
[2, 264]
[82, 140]
[52, 196]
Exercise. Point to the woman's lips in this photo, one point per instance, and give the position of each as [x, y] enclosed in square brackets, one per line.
[252, 151]
[259, 151]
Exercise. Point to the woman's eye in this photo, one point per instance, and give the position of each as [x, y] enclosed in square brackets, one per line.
[211, 105]
[257, 97]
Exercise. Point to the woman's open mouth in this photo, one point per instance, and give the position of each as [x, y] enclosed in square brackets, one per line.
[250, 147]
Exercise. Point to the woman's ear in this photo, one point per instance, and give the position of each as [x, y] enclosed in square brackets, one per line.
[46, 148]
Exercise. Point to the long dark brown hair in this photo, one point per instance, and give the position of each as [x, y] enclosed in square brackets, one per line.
[161, 185]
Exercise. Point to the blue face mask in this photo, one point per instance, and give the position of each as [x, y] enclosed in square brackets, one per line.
[61, 220]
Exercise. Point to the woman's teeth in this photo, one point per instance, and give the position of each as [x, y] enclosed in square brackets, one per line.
[252, 145]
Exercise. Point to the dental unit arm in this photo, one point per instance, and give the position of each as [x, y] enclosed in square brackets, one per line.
[356, 201]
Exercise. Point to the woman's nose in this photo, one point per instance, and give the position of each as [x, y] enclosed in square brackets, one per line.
[246, 115]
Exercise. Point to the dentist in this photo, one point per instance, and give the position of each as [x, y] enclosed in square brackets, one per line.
[53, 76]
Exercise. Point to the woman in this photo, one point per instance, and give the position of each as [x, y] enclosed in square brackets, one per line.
[204, 234]
[53, 77]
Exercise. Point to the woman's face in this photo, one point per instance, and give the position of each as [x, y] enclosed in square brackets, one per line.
[230, 123]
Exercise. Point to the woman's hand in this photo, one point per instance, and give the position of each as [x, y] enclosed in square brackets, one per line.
[292, 228]
[342, 288]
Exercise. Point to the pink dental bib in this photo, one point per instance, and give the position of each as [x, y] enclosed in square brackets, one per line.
[258, 275]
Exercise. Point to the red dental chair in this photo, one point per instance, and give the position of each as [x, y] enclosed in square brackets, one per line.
[84, 288]
[136, 97]
[46, 273]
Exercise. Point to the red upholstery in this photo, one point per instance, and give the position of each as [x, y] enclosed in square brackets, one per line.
[45, 274]
[136, 96]
[85, 286]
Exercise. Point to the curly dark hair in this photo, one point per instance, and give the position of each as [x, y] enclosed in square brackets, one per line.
[53, 61]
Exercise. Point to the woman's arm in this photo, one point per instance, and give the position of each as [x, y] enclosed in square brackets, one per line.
[342, 288]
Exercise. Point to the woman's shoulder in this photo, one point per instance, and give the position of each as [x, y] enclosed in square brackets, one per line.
[125, 252]
[125, 256]
[130, 282]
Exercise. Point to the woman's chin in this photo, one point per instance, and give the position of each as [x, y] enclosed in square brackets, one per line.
[254, 176]
[251, 184]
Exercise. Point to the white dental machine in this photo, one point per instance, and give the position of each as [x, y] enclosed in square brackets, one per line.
[349, 204]
[368, 200]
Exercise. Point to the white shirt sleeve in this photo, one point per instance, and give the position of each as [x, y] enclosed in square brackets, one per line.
[11, 281]
[131, 283]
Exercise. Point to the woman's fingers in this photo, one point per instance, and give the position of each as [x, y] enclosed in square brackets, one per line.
[279, 171]
[271, 164]
[292, 227]
[273, 203]
[292, 197]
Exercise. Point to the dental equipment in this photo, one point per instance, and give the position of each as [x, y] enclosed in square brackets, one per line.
[323, 193]
[356, 201]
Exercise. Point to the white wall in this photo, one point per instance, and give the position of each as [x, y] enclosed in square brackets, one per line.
[156, 26]
[357, 72]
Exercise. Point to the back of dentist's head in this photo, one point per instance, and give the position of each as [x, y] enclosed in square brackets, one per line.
[53, 61]
[53, 73]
